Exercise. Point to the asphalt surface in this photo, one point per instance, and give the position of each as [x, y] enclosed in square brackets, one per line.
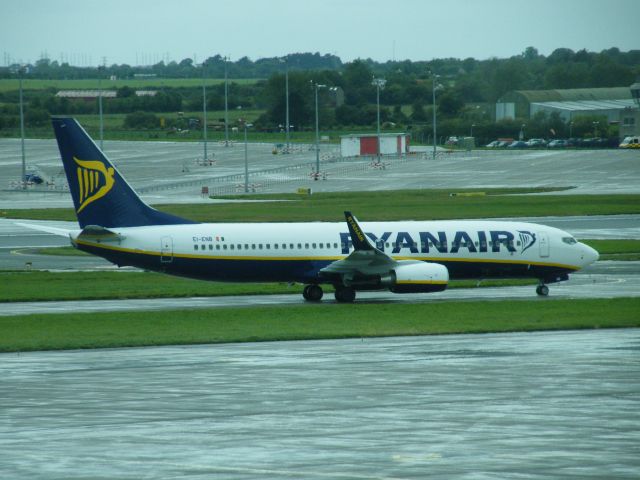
[541, 405]
[173, 172]
[526, 406]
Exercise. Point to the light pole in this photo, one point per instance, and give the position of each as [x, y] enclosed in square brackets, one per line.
[379, 83]
[471, 132]
[23, 180]
[570, 129]
[204, 114]
[100, 70]
[522, 131]
[595, 129]
[246, 159]
[435, 79]
[317, 86]
[226, 105]
[286, 98]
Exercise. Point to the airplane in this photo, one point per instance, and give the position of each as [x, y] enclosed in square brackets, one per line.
[402, 256]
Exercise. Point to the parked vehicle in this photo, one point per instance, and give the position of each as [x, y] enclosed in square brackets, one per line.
[518, 144]
[630, 142]
[559, 143]
[536, 142]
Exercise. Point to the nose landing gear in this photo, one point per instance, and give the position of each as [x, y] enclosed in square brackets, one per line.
[542, 290]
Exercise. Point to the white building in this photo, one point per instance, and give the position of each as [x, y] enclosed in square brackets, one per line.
[367, 144]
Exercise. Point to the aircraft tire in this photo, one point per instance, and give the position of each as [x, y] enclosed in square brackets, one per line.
[345, 294]
[312, 293]
[542, 290]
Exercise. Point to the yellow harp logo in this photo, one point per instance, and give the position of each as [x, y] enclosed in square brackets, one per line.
[94, 181]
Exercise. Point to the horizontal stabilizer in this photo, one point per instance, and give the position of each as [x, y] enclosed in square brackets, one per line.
[61, 232]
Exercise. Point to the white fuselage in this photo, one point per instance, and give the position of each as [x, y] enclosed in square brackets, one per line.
[296, 251]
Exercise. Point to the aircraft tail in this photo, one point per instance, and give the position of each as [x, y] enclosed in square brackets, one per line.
[101, 195]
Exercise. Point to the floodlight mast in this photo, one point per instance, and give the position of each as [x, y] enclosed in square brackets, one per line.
[379, 84]
[23, 181]
[435, 79]
[204, 113]
[246, 159]
[226, 104]
[317, 86]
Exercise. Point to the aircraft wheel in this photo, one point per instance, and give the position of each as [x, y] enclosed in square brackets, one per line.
[345, 294]
[312, 293]
[542, 290]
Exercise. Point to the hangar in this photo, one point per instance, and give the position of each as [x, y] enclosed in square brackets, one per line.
[367, 144]
[569, 103]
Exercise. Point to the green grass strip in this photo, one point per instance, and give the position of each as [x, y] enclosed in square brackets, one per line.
[35, 286]
[306, 322]
[384, 206]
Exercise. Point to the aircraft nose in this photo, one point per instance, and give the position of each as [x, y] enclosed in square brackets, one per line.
[588, 255]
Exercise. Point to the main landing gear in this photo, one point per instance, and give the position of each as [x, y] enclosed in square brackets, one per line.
[345, 294]
[542, 290]
[313, 293]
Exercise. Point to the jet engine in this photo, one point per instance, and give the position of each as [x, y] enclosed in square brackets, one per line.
[416, 277]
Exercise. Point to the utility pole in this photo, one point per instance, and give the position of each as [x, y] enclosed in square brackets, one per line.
[379, 83]
[204, 114]
[435, 79]
[317, 133]
[23, 180]
[226, 105]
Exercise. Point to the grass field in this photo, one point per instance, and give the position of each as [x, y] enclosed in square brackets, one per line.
[34, 286]
[383, 206]
[139, 83]
[128, 329]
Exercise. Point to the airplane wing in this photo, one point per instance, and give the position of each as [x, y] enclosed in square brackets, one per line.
[366, 259]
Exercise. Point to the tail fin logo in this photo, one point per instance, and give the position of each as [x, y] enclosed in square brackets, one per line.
[95, 180]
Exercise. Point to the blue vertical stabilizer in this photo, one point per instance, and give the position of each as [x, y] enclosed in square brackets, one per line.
[101, 195]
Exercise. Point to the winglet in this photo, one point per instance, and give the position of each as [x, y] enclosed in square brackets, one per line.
[358, 237]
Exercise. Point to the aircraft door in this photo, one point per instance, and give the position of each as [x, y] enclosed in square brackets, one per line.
[166, 250]
[543, 241]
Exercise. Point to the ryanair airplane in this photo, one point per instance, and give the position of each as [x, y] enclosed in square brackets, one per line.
[403, 257]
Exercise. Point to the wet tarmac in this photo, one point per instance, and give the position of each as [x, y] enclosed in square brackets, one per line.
[526, 406]
[172, 172]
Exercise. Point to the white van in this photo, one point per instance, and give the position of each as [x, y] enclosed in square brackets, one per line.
[630, 142]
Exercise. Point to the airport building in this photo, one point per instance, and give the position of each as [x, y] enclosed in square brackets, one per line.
[569, 103]
[367, 144]
[619, 104]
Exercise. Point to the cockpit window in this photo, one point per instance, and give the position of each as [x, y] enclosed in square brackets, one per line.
[569, 240]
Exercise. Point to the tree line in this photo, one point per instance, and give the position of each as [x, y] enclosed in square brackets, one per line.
[466, 90]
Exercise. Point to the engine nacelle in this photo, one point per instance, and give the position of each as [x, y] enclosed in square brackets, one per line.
[418, 277]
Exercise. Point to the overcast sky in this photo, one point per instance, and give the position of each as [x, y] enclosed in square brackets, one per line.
[84, 32]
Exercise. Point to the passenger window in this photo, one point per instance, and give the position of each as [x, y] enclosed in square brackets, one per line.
[335, 245]
[306, 245]
[218, 247]
[210, 246]
[259, 246]
[232, 246]
[291, 246]
[268, 246]
[195, 247]
[313, 245]
[224, 247]
[246, 246]
[239, 246]
[299, 246]
[322, 245]
[275, 246]
[253, 246]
